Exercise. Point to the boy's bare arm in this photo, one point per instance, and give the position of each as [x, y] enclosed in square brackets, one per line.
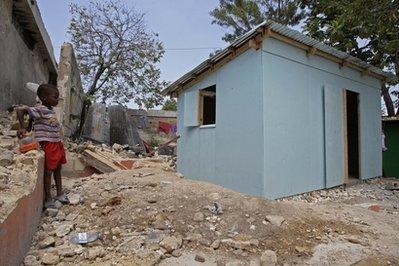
[21, 112]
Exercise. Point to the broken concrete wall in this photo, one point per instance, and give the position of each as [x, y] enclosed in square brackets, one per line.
[17, 230]
[123, 130]
[150, 119]
[71, 91]
[26, 53]
[97, 124]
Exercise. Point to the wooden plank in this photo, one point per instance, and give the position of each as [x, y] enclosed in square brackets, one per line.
[111, 159]
[99, 162]
[345, 127]
[333, 136]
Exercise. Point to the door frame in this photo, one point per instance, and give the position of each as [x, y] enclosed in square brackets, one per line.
[345, 128]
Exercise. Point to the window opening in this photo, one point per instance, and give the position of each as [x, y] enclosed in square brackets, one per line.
[208, 106]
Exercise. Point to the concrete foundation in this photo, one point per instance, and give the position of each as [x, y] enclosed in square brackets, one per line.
[17, 230]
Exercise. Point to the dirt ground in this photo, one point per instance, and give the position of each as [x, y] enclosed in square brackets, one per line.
[151, 215]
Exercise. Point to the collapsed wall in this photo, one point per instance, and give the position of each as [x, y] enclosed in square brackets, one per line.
[122, 130]
[71, 91]
[97, 124]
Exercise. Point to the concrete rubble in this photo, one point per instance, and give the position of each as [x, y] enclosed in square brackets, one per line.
[18, 172]
[151, 215]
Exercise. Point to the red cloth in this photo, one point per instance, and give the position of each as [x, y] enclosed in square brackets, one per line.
[164, 127]
[54, 154]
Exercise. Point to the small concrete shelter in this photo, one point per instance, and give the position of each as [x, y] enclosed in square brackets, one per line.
[278, 113]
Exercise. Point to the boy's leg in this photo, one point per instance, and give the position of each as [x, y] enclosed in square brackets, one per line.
[47, 185]
[58, 184]
[58, 181]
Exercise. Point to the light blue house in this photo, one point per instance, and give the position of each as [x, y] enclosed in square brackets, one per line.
[278, 113]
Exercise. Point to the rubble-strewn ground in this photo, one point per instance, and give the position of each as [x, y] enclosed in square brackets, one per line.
[151, 215]
[18, 172]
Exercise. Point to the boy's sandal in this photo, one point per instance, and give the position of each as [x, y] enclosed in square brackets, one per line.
[63, 199]
[49, 205]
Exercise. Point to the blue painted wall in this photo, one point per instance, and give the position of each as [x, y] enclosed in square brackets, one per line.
[269, 137]
[231, 153]
[294, 119]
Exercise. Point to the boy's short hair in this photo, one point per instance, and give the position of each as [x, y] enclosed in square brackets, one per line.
[44, 89]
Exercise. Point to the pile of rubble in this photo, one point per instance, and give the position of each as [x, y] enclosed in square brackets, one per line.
[375, 189]
[119, 155]
[151, 215]
[18, 172]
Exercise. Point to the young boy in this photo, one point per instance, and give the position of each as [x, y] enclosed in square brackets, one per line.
[47, 131]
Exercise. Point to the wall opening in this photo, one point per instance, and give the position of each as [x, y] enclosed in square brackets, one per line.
[208, 106]
[352, 133]
[21, 27]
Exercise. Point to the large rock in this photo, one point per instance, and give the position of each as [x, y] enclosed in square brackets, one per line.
[6, 157]
[68, 250]
[171, 243]
[51, 212]
[47, 242]
[31, 260]
[215, 244]
[50, 259]
[7, 143]
[74, 199]
[198, 217]
[275, 220]
[94, 253]
[268, 258]
[63, 230]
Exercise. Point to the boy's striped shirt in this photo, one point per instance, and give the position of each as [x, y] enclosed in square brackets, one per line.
[45, 124]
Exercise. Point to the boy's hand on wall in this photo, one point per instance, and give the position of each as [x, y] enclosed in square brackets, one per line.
[21, 133]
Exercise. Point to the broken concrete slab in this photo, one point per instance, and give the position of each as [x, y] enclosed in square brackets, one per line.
[275, 219]
[123, 130]
[97, 124]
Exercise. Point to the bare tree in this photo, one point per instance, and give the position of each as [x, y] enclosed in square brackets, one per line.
[116, 53]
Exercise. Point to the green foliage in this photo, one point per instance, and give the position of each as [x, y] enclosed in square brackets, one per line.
[154, 142]
[366, 29]
[170, 105]
[116, 53]
[243, 15]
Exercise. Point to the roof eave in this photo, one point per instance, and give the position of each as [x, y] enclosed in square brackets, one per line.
[278, 29]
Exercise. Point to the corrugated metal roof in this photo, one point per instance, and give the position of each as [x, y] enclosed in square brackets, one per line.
[283, 31]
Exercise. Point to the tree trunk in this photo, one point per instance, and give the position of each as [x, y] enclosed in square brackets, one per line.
[387, 100]
[83, 114]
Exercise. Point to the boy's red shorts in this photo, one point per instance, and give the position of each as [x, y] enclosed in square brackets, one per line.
[54, 154]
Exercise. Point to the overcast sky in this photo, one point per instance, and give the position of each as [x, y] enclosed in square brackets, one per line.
[184, 26]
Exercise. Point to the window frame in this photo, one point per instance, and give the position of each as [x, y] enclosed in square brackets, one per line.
[205, 92]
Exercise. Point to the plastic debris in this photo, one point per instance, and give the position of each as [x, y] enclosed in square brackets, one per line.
[84, 238]
[217, 208]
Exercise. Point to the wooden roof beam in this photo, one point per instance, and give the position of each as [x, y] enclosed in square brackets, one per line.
[344, 63]
[256, 42]
[366, 72]
[311, 51]
[264, 32]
